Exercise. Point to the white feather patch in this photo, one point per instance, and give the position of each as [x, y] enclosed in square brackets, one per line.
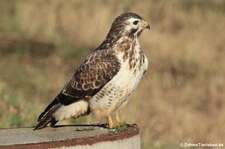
[73, 110]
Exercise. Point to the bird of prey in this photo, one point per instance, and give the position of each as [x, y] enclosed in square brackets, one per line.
[104, 81]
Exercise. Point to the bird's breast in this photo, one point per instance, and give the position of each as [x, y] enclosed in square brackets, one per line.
[133, 65]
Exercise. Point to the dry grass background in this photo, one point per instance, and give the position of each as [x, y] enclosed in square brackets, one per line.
[181, 98]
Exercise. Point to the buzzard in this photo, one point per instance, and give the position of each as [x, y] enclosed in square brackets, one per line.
[105, 80]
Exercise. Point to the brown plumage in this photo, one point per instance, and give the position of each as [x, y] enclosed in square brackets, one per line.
[95, 87]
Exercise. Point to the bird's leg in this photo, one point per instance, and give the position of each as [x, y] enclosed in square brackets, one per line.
[118, 120]
[110, 121]
[120, 126]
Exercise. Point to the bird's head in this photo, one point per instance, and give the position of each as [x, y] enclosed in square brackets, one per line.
[126, 25]
[129, 23]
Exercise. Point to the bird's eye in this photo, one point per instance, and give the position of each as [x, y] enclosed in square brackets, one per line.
[135, 22]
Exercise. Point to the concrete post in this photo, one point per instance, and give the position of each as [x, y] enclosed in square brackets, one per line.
[70, 137]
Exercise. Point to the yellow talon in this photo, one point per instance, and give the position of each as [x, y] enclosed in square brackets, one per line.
[110, 122]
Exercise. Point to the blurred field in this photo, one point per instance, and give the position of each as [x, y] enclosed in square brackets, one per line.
[182, 96]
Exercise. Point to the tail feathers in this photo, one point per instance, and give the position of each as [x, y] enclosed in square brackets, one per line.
[46, 122]
[46, 118]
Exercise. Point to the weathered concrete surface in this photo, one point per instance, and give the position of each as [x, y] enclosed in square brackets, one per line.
[73, 137]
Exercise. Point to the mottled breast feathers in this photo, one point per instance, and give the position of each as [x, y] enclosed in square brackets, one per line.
[96, 71]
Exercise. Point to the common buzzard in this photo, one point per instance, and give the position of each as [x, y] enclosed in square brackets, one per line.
[104, 81]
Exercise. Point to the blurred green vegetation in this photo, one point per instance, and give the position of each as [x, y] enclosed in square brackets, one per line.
[16, 111]
[181, 98]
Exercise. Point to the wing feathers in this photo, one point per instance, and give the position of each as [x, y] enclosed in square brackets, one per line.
[96, 71]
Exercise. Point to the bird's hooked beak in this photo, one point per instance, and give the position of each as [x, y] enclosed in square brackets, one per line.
[145, 24]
